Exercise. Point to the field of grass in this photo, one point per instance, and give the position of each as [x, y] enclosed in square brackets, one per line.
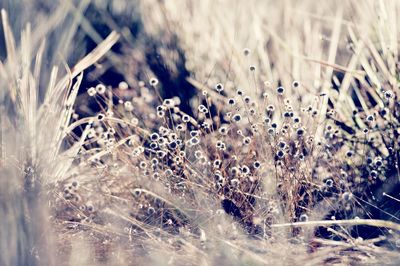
[199, 132]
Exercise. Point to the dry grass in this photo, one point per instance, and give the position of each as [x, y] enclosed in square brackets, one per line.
[289, 154]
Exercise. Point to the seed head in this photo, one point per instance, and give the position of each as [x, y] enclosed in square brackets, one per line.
[91, 91]
[153, 82]
[219, 87]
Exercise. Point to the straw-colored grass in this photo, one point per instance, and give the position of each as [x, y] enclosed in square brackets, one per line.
[289, 155]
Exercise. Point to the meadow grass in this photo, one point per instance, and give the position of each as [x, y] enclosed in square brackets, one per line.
[287, 153]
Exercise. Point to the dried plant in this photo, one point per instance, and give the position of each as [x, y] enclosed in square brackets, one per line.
[285, 154]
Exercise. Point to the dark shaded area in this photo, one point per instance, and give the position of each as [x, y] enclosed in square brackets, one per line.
[174, 83]
[231, 209]
[3, 52]
[344, 127]
[103, 22]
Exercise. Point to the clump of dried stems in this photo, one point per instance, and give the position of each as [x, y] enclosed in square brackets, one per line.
[289, 155]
